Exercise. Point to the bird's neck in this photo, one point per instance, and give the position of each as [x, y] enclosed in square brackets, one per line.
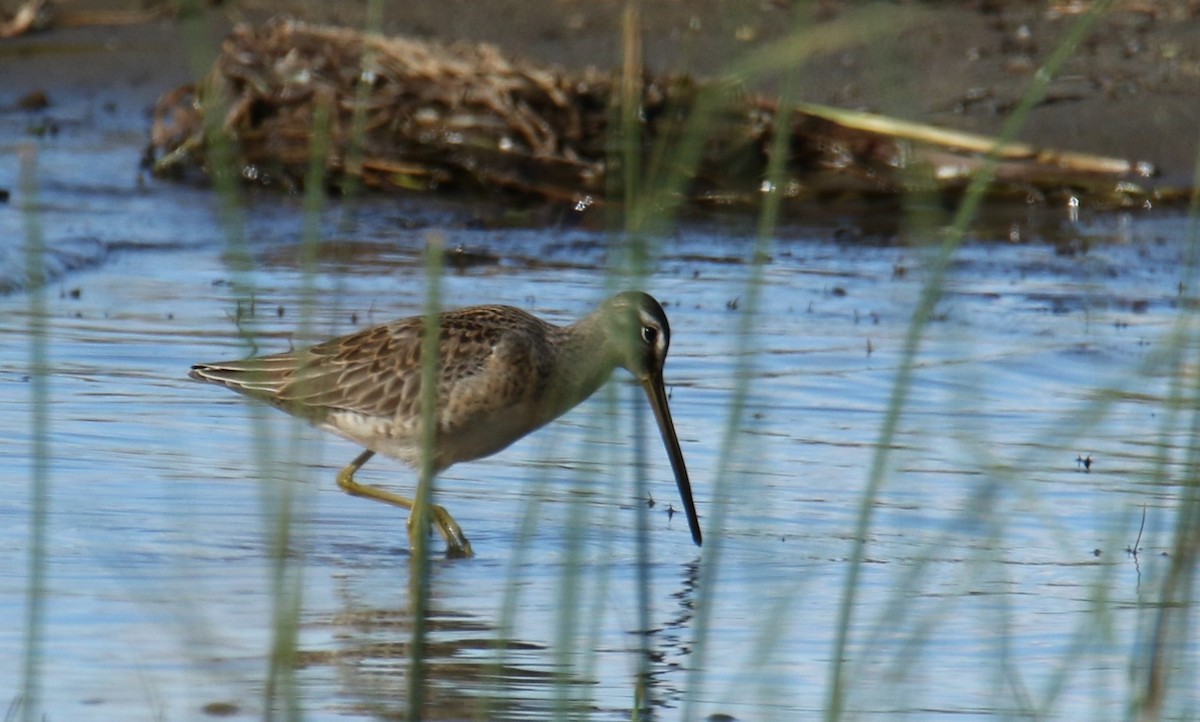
[586, 361]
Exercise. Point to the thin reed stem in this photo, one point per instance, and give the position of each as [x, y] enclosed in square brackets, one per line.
[930, 294]
[39, 430]
[419, 520]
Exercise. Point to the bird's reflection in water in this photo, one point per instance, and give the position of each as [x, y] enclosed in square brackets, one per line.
[473, 671]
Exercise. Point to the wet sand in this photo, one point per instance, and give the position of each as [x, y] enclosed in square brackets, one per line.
[1130, 91]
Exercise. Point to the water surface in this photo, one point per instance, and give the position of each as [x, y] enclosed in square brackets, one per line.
[996, 579]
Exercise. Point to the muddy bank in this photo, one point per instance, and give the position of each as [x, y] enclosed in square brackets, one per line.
[1130, 91]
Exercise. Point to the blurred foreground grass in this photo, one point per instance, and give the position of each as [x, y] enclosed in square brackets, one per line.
[1161, 663]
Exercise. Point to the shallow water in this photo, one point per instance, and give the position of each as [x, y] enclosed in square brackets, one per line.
[996, 579]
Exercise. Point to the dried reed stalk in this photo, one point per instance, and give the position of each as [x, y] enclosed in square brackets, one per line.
[435, 117]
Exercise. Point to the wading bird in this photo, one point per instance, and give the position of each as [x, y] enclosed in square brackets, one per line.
[501, 373]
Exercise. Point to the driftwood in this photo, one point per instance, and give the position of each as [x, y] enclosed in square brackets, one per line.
[39, 15]
[410, 114]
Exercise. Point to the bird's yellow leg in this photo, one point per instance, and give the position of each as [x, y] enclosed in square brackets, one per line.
[456, 543]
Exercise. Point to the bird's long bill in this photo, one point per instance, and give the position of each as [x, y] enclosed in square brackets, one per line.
[662, 413]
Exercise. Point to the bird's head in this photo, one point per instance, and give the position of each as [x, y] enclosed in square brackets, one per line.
[639, 327]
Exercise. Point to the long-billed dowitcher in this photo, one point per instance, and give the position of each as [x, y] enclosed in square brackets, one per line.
[502, 373]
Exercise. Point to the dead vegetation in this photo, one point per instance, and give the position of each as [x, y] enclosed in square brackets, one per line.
[415, 115]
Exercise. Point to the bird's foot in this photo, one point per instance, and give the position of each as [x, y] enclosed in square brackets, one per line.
[457, 546]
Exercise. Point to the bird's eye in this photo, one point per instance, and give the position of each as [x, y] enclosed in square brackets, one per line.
[649, 335]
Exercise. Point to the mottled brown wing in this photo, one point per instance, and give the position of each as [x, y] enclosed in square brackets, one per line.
[488, 362]
[364, 372]
[259, 377]
[490, 367]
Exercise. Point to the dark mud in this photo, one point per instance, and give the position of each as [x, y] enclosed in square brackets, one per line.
[1130, 90]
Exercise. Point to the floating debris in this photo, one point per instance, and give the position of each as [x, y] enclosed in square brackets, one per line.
[31, 15]
[40, 15]
[408, 114]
